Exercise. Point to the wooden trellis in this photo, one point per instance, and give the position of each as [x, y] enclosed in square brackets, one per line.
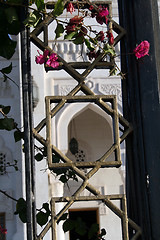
[107, 103]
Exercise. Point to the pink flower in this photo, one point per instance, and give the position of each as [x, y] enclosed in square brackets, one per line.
[41, 58]
[3, 230]
[102, 15]
[52, 61]
[103, 12]
[142, 49]
[70, 8]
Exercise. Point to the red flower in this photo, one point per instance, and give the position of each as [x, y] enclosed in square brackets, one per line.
[93, 54]
[70, 28]
[91, 8]
[110, 37]
[83, 31]
[70, 8]
[101, 19]
[3, 230]
[142, 49]
[100, 36]
[76, 20]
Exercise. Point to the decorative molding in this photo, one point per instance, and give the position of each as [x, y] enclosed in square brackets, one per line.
[63, 90]
[111, 89]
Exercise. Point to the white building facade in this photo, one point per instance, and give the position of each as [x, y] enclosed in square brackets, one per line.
[86, 122]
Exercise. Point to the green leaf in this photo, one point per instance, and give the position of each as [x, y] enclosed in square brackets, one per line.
[70, 36]
[7, 70]
[103, 232]
[40, 4]
[7, 124]
[80, 227]
[55, 159]
[68, 225]
[42, 218]
[63, 179]
[33, 19]
[18, 135]
[109, 50]
[89, 45]
[78, 40]
[6, 109]
[13, 21]
[59, 30]
[38, 157]
[7, 46]
[63, 217]
[93, 230]
[46, 207]
[58, 9]
[21, 209]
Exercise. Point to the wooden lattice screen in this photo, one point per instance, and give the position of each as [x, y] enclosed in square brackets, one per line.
[107, 103]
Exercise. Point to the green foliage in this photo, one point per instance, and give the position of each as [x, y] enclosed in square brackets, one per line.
[78, 40]
[109, 50]
[6, 70]
[18, 135]
[5, 109]
[7, 124]
[40, 4]
[89, 45]
[21, 210]
[68, 225]
[38, 157]
[33, 19]
[59, 30]
[13, 23]
[58, 9]
[93, 230]
[80, 227]
[70, 36]
[42, 216]
[7, 45]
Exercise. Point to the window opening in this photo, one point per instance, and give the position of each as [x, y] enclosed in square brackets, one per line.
[88, 216]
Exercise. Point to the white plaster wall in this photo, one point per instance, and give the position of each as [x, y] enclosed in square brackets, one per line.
[12, 182]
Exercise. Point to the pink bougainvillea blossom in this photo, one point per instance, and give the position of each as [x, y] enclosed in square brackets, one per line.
[101, 17]
[142, 49]
[3, 230]
[100, 36]
[52, 61]
[70, 8]
[40, 59]
[103, 12]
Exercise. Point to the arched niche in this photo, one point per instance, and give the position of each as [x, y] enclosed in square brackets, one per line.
[93, 129]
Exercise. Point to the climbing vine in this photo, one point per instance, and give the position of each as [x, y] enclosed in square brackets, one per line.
[98, 38]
